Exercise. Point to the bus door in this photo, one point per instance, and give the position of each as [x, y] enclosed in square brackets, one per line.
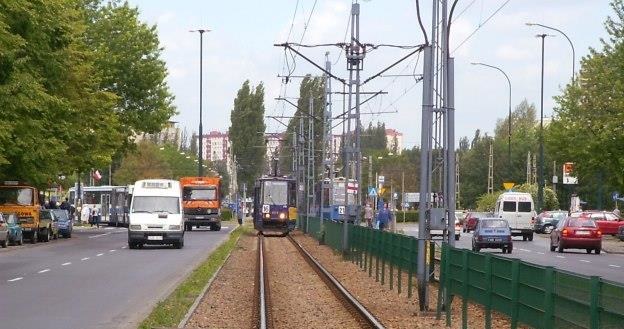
[105, 201]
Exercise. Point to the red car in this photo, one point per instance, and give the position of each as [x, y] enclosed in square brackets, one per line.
[472, 219]
[608, 222]
[576, 233]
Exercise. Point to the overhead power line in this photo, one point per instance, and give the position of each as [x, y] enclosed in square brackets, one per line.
[481, 25]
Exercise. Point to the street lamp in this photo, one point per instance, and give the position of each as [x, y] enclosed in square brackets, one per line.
[566, 36]
[200, 167]
[509, 120]
[540, 186]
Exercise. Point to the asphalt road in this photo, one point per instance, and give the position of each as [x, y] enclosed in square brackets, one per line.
[93, 280]
[607, 266]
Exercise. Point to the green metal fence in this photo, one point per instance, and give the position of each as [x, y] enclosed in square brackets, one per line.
[538, 296]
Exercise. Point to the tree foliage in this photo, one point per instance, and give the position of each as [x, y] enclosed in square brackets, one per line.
[246, 132]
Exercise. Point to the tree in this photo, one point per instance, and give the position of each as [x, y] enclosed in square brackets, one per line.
[587, 126]
[374, 138]
[246, 132]
[128, 61]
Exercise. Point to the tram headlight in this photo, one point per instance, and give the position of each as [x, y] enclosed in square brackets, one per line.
[282, 215]
[267, 215]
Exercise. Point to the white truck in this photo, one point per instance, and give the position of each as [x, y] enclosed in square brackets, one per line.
[518, 210]
[155, 215]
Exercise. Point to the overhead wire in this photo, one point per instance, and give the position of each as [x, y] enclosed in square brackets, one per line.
[481, 25]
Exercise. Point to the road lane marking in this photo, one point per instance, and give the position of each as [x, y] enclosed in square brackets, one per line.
[109, 228]
[43, 271]
[585, 261]
[98, 235]
[524, 250]
[616, 266]
[65, 264]
[98, 255]
[15, 279]
[112, 250]
[124, 247]
[85, 258]
[560, 257]
[225, 227]
[541, 253]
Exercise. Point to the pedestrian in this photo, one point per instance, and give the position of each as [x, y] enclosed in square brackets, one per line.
[64, 205]
[616, 212]
[239, 213]
[383, 216]
[368, 215]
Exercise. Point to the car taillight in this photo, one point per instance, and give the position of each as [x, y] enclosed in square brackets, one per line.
[598, 233]
[565, 232]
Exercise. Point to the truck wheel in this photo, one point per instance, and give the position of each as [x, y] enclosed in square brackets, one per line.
[3, 244]
[216, 227]
[531, 237]
[21, 240]
[34, 237]
[45, 237]
[179, 244]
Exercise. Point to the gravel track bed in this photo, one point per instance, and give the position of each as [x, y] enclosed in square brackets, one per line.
[230, 301]
[299, 297]
[392, 309]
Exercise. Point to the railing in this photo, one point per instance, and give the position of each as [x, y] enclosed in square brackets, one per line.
[538, 296]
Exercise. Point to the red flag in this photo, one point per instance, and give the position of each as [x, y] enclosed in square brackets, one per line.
[96, 175]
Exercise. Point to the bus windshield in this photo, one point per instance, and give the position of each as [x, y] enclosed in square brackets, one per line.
[275, 192]
[199, 193]
[22, 196]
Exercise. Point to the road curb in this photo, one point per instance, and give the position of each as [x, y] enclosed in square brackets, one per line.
[202, 294]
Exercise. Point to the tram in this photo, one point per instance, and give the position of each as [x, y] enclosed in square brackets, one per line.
[334, 196]
[275, 204]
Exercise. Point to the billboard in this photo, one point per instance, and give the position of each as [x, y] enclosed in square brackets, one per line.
[568, 172]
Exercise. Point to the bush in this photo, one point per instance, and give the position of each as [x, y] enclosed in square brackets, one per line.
[226, 214]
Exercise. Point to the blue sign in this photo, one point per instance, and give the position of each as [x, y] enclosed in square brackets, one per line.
[615, 196]
[372, 192]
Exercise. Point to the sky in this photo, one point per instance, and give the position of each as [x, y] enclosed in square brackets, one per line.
[240, 47]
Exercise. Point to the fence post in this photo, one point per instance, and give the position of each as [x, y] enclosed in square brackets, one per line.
[515, 269]
[488, 291]
[412, 256]
[465, 289]
[441, 284]
[594, 306]
[447, 284]
[549, 289]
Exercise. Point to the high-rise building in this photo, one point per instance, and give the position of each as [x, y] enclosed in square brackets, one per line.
[394, 140]
[216, 145]
[169, 134]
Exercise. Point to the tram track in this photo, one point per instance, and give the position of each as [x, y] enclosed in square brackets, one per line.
[359, 314]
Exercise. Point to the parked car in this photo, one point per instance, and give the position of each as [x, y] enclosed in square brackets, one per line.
[492, 233]
[4, 233]
[608, 222]
[472, 218]
[621, 233]
[49, 219]
[14, 230]
[576, 233]
[547, 220]
[65, 224]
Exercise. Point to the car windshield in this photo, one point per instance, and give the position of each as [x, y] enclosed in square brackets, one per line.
[61, 215]
[558, 215]
[275, 192]
[10, 218]
[199, 193]
[581, 222]
[156, 204]
[45, 214]
[478, 215]
[16, 195]
[493, 224]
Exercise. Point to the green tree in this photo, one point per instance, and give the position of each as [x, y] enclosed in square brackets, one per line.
[246, 132]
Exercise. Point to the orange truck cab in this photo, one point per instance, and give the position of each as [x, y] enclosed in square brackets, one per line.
[22, 199]
[201, 202]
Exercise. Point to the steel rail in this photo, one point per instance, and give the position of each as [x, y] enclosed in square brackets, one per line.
[337, 288]
[262, 291]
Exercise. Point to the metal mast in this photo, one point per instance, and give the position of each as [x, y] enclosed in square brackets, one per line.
[490, 186]
[328, 154]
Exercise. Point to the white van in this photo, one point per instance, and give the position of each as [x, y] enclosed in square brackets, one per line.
[519, 211]
[155, 215]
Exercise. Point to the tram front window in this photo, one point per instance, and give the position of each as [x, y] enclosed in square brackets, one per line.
[275, 192]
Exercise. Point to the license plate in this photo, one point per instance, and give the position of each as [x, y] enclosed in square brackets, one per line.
[582, 232]
[199, 217]
[26, 229]
[155, 237]
[493, 239]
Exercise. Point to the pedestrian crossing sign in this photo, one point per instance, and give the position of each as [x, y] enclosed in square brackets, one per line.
[372, 192]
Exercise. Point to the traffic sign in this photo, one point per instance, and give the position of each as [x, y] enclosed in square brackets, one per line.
[372, 192]
[615, 196]
[508, 185]
[381, 179]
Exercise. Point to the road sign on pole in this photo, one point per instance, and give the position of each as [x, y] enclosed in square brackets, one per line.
[372, 192]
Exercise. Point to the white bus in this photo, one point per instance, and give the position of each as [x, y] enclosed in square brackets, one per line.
[93, 197]
[155, 215]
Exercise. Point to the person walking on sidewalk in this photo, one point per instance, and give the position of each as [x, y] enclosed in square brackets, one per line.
[368, 215]
[383, 217]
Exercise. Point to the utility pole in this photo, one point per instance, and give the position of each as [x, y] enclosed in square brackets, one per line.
[490, 188]
[540, 173]
[310, 165]
[403, 194]
[528, 168]
[457, 184]
[200, 163]
[328, 154]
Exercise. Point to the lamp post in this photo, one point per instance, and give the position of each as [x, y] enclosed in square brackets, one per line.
[540, 174]
[566, 36]
[509, 119]
[200, 167]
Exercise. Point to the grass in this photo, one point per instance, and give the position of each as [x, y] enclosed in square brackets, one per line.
[169, 312]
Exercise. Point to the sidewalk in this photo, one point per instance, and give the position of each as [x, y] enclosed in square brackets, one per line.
[612, 245]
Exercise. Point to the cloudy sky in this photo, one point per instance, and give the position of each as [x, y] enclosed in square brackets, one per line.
[241, 47]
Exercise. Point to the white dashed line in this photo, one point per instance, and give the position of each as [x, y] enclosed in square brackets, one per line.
[616, 266]
[15, 279]
[65, 264]
[43, 271]
[585, 261]
[86, 258]
[98, 235]
[112, 250]
[225, 227]
[541, 253]
[98, 255]
[524, 250]
[560, 257]
[124, 247]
